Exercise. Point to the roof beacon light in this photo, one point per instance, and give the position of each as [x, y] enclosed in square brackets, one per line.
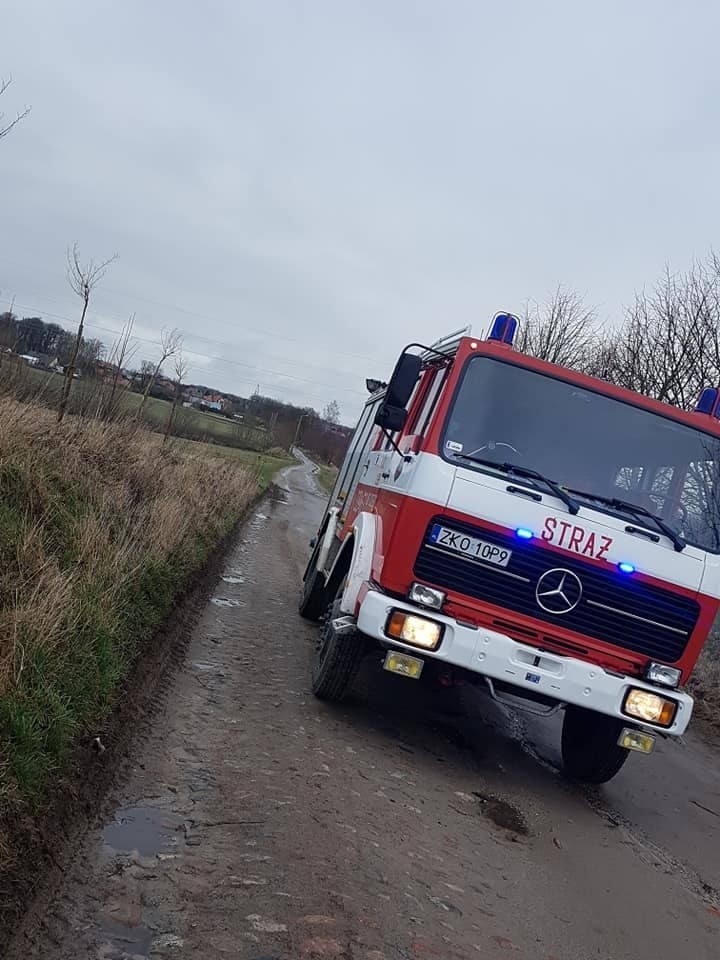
[709, 402]
[503, 328]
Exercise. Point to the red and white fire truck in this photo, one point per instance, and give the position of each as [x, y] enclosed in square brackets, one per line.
[516, 524]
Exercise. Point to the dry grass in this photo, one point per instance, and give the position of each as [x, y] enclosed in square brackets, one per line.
[704, 684]
[91, 398]
[100, 527]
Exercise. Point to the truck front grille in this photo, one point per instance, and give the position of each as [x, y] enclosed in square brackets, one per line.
[614, 608]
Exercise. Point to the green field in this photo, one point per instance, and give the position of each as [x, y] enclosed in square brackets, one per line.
[44, 387]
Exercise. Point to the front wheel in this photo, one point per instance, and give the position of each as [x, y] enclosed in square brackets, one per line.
[338, 656]
[314, 597]
[590, 750]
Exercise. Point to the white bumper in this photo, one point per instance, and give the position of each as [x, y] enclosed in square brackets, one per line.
[500, 657]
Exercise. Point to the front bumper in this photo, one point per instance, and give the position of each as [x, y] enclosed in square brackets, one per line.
[499, 657]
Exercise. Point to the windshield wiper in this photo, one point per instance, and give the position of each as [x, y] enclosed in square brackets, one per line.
[638, 511]
[572, 505]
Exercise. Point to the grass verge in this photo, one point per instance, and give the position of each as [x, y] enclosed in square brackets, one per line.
[264, 465]
[101, 527]
[327, 475]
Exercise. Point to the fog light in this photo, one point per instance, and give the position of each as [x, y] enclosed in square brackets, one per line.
[414, 630]
[404, 665]
[662, 675]
[426, 596]
[637, 740]
[650, 707]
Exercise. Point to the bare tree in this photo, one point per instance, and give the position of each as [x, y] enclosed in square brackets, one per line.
[181, 369]
[5, 128]
[83, 278]
[669, 345]
[120, 355]
[562, 330]
[331, 413]
[170, 344]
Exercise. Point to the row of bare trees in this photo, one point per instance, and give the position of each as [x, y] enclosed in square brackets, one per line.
[667, 345]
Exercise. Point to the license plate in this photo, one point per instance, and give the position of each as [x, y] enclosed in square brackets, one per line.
[470, 547]
[403, 664]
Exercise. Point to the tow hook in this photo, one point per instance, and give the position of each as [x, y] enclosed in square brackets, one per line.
[341, 625]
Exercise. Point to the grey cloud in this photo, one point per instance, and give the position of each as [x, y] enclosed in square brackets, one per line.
[310, 180]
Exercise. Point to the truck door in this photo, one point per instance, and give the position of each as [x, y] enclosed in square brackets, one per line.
[355, 458]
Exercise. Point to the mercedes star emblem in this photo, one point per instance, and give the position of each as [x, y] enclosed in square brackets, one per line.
[558, 591]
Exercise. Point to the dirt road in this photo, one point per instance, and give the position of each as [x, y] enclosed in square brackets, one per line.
[259, 824]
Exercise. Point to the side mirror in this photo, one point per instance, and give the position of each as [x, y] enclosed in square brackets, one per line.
[390, 418]
[403, 380]
[392, 413]
[374, 385]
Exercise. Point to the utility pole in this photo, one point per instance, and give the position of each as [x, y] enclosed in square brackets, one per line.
[297, 432]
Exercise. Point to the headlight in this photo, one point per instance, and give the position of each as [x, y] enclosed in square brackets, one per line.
[662, 675]
[650, 707]
[426, 596]
[414, 630]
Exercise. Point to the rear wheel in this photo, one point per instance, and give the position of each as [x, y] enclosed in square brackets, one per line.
[338, 656]
[590, 751]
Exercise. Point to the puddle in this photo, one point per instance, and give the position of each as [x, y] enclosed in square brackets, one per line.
[226, 602]
[502, 813]
[133, 941]
[233, 579]
[144, 830]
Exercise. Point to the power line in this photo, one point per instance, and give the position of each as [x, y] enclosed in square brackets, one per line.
[205, 317]
[195, 336]
[204, 356]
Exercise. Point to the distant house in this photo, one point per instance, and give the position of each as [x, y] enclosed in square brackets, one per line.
[211, 402]
[40, 360]
[109, 373]
[215, 401]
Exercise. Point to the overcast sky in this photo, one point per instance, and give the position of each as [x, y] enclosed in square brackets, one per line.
[303, 186]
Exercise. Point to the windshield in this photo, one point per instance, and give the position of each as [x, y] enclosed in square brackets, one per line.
[590, 442]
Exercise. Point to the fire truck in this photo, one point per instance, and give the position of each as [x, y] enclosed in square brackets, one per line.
[507, 522]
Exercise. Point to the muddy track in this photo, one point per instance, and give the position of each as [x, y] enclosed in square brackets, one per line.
[41, 847]
[255, 823]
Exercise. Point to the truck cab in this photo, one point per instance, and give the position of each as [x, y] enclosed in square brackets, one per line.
[543, 534]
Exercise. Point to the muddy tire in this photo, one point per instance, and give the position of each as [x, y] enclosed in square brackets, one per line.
[590, 751]
[314, 597]
[337, 658]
